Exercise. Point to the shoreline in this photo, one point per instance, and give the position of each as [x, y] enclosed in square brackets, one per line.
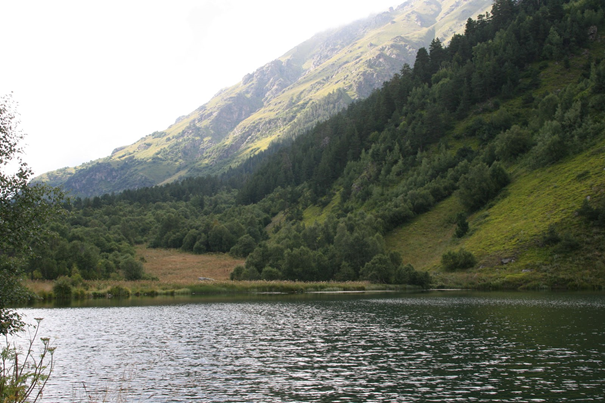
[43, 291]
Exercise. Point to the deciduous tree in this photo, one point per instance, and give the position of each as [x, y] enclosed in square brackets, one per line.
[24, 212]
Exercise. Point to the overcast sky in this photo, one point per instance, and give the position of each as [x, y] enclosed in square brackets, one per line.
[90, 76]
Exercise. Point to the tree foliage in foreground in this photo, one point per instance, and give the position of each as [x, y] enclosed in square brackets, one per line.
[25, 212]
[25, 372]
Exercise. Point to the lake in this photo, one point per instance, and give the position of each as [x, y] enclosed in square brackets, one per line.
[391, 347]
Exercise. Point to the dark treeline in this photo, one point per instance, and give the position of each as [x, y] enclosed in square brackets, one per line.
[377, 164]
[184, 190]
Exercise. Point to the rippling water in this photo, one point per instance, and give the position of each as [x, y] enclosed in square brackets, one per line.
[433, 347]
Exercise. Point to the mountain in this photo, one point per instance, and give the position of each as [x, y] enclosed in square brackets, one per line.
[278, 101]
[481, 165]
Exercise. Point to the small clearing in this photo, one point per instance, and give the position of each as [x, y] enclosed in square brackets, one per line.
[174, 266]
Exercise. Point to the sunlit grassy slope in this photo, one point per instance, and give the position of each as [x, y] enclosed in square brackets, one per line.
[513, 226]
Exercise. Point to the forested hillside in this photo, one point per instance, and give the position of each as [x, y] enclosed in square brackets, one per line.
[278, 101]
[481, 164]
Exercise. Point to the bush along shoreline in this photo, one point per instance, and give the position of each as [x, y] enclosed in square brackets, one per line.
[64, 290]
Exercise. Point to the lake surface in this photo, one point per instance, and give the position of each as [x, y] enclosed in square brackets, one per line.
[425, 347]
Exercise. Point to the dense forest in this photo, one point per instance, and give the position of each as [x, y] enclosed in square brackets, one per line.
[451, 124]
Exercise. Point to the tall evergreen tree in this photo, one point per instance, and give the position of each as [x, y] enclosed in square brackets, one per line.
[437, 55]
[422, 66]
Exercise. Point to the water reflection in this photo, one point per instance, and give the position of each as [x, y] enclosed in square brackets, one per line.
[438, 347]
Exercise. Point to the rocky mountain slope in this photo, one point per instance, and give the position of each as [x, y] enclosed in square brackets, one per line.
[279, 100]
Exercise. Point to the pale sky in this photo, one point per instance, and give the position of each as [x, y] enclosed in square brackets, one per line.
[90, 76]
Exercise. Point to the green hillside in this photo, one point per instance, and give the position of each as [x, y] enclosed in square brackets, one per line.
[508, 237]
[481, 166]
[278, 101]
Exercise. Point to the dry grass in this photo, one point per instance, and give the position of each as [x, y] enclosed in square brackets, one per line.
[176, 267]
[39, 286]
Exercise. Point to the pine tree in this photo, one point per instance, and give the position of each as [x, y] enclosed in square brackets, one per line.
[437, 55]
[422, 66]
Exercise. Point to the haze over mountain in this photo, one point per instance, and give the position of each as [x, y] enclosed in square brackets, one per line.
[278, 101]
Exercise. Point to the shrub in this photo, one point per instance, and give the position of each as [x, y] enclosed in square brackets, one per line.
[404, 274]
[24, 372]
[395, 214]
[476, 187]
[512, 143]
[408, 275]
[200, 245]
[499, 177]
[78, 293]
[568, 244]
[596, 215]
[551, 237]
[597, 76]
[550, 145]
[270, 273]
[62, 288]
[244, 246]
[420, 200]
[547, 108]
[345, 273]
[118, 291]
[132, 269]
[460, 260]
[240, 273]
[190, 240]
[237, 273]
[422, 279]
[378, 270]
[251, 274]
[481, 184]
[461, 225]
[76, 277]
